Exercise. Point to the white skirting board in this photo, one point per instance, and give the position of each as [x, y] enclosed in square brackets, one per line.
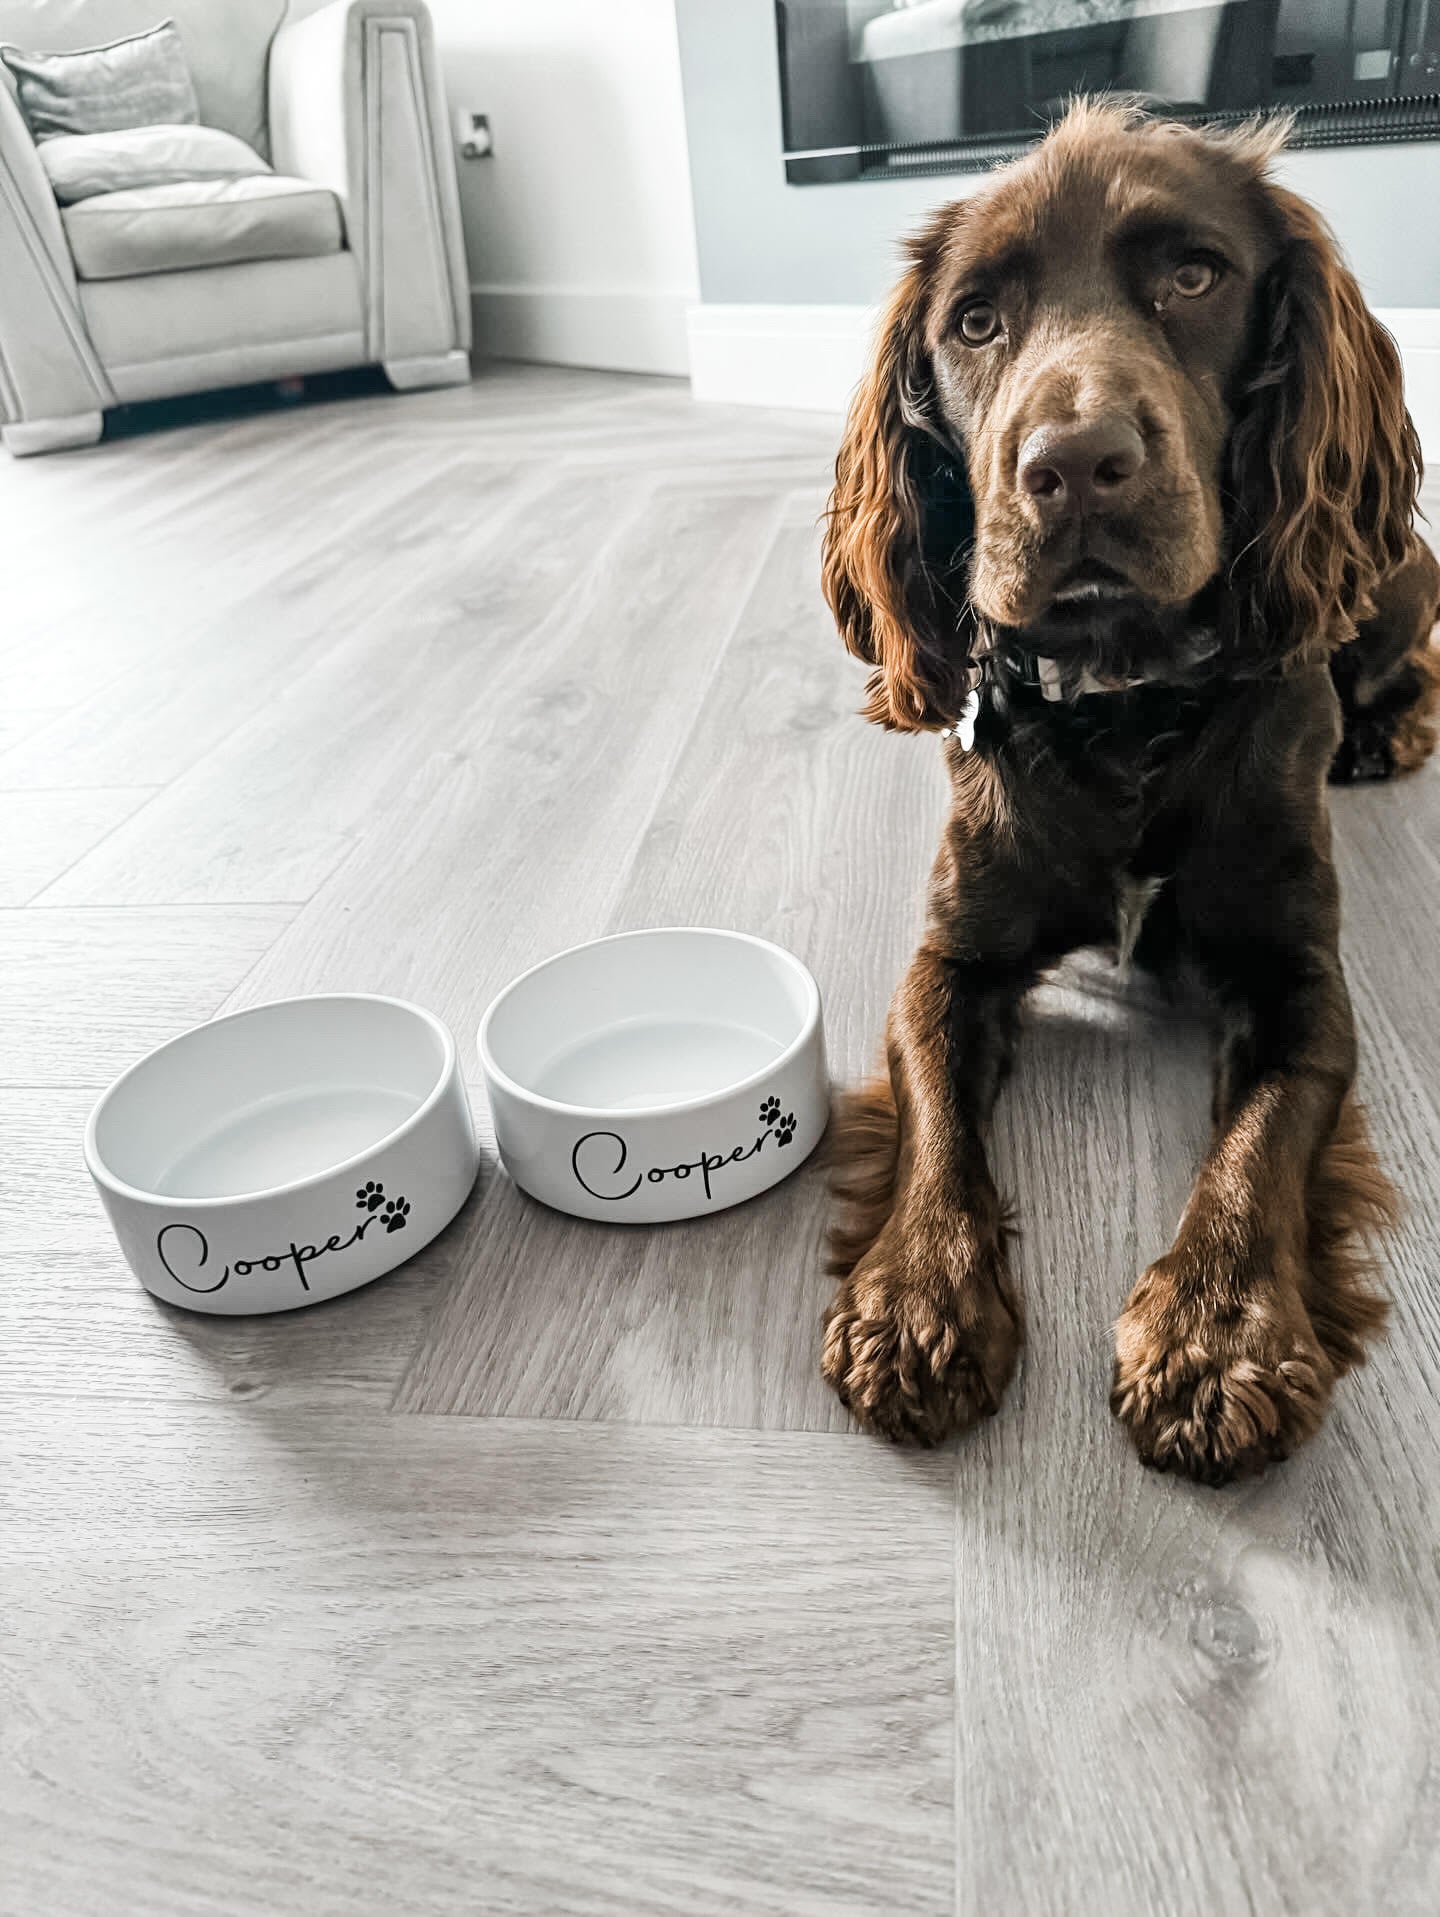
[812, 356]
[809, 357]
[621, 330]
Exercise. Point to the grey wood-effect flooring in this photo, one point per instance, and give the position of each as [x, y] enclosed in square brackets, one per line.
[544, 1576]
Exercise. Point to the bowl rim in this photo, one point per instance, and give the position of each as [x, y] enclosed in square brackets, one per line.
[449, 1066]
[630, 1113]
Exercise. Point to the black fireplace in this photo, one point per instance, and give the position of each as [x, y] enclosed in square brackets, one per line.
[876, 88]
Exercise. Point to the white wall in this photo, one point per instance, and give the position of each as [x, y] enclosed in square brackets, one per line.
[579, 230]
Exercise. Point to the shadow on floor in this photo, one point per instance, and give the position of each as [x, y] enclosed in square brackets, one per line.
[243, 402]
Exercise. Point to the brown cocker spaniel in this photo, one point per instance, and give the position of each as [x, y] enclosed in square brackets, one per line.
[1124, 507]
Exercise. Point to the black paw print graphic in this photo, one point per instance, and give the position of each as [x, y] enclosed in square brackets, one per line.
[370, 1196]
[785, 1130]
[769, 1111]
[395, 1214]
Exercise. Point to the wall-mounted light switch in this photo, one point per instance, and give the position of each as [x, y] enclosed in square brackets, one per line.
[473, 132]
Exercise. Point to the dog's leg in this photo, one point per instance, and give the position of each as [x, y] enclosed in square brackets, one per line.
[1229, 1345]
[924, 1331]
[1388, 678]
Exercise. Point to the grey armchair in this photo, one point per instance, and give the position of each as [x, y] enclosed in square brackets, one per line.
[351, 256]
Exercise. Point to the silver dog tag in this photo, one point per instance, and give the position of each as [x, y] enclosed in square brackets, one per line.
[964, 730]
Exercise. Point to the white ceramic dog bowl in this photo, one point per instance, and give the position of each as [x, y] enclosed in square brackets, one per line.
[285, 1154]
[656, 1075]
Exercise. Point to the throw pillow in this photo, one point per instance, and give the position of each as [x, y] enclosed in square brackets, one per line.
[141, 81]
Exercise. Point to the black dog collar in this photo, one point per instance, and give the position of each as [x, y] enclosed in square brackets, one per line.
[1046, 676]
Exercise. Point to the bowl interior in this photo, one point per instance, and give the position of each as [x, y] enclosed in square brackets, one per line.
[650, 1020]
[268, 1098]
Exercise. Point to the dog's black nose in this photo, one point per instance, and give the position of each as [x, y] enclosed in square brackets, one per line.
[1080, 468]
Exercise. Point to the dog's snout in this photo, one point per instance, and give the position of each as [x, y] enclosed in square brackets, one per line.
[1082, 467]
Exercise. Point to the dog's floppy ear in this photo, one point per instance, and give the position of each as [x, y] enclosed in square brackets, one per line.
[1324, 462]
[900, 523]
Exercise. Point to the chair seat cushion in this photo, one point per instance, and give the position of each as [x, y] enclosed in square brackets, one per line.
[167, 229]
[80, 165]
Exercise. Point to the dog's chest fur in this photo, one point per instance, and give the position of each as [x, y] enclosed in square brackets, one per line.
[1110, 775]
[1133, 899]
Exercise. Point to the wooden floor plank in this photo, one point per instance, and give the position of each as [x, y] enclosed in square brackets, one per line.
[149, 570]
[1390, 889]
[274, 809]
[514, 835]
[281, 1665]
[213, 702]
[21, 721]
[47, 831]
[202, 677]
[83, 994]
[769, 823]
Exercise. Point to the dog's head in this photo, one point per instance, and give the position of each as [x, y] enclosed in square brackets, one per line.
[1129, 379]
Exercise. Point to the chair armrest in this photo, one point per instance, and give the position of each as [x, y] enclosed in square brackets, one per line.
[29, 184]
[356, 104]
[48, 368]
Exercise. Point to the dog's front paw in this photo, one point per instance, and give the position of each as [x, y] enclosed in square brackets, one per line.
[920, 1342]
[1367, 750]
[1217, 1382]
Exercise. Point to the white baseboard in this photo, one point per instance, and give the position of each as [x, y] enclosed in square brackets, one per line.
[621, 331]
[811, 357]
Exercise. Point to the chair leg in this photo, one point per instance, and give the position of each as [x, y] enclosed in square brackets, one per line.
[23, 437]
[431, 369]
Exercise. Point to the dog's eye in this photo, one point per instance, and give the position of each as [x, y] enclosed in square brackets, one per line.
[1194, 278]
[979, 323]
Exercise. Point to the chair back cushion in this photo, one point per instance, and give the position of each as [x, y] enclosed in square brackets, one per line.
[142, 81]
[226, 42]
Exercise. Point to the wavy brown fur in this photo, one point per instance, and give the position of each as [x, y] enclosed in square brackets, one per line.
[1324, 460]
[1418, 729]
[864, 1149]
[1351, 1204]
[1215, 1385]
[895, 606]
